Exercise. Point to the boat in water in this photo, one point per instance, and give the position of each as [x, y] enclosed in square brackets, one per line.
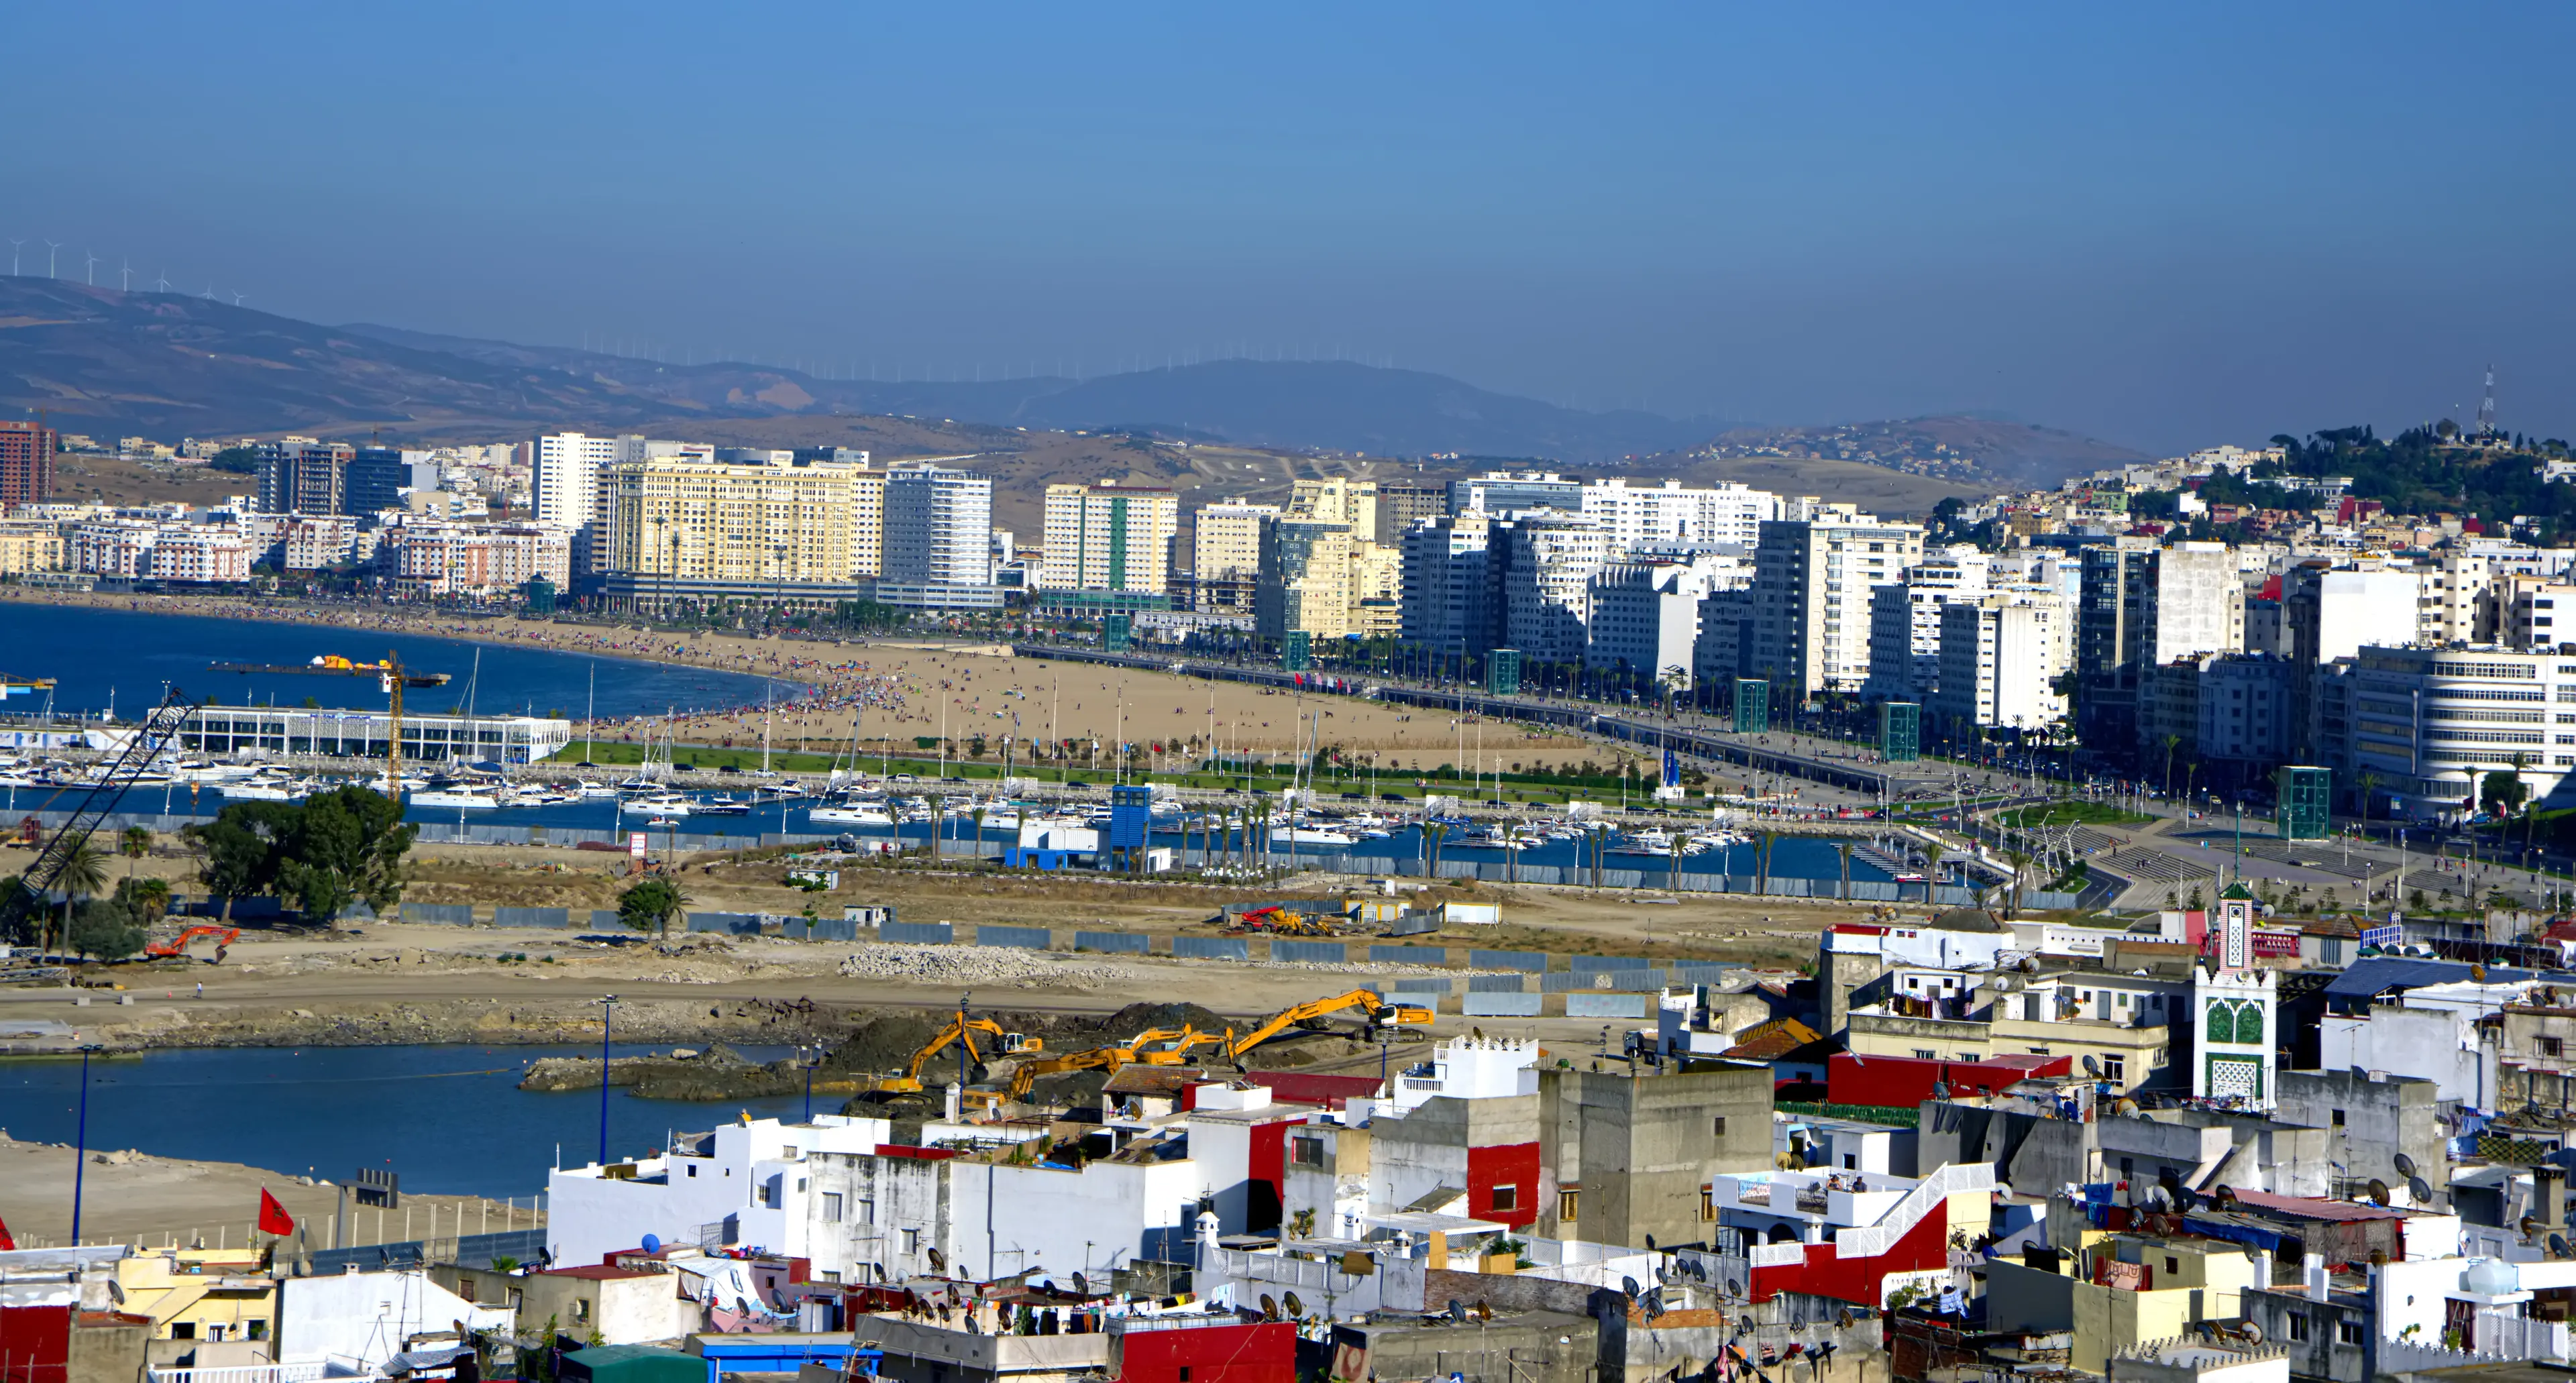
[662, 803]
[722, 804]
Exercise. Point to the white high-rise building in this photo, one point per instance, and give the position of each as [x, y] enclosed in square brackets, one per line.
[1666, 511]
[567, 466]
[1646, 617]
[2001, 655]
[1905, 622]
[938, 526]
[1547, 577]
[1811, 595]
[1445, 587]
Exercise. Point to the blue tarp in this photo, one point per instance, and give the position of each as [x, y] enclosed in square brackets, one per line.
[2376, 975]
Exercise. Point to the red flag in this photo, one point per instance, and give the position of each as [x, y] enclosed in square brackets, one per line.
[273, 1218]
[6, 1243]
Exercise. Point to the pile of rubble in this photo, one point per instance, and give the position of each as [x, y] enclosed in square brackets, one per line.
[983, 965]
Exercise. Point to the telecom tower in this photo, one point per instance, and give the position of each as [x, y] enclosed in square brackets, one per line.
[2486, 407]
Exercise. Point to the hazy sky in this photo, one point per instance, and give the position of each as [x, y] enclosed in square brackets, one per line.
[2165, 225]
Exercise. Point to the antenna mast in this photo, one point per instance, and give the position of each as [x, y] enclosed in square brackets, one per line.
[2486, 407]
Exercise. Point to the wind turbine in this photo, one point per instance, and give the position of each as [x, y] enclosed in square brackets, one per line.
[13, 257]
[93, 267]
[126, 277]
[164, 284]
[50, 247]
[238, 295]
[210, 292]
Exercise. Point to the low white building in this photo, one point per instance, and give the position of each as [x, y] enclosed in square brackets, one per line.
[745, 1184]
[364, 1319]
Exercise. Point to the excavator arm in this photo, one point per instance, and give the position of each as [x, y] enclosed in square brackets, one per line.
[1360, 1000]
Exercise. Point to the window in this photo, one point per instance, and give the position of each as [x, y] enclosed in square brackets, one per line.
[2551, 1046]
[2172, 1264]
[1926, 1054]
[516, 1296]
[1850, 1163]
[693, 1169]
[464, 1288]
[831, 1207]
[830, 1274]
[183, 1330]
[1707, 1204]
[2348, 1332]
[1507, 1198]
[1565, 1201]
[581, 1308]
[1185, 1374]
[1718, 1126]
[912, 1241]
[1306, 1152]
[867, 1211]
[256, 1328]
[2338, 1119]
[2298, 1328]
[2115, 1068]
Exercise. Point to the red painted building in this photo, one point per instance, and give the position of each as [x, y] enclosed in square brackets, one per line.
[1202, 1349]
[26, 464]
[1903, 1082]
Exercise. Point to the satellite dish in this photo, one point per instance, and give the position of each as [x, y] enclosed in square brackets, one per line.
[1650, 1243]
[116, 1291]
[2183, 1198]
[1629, 1286]
[2405, 1165]
[2091, 1067]
[652, 1243]
[2223, 1194]
[1843, 1318]
[2253, 1332]
[1734, 1288]
[2529, 1223]
[2379, 1191]
[2557, 1245]
[1081, 1285]
[2361, 1073]
[1269, 1308]
[2478, 973]
[1457, 1309]
[1484, 1312]
[938, 1261]
[1295, 1307]
[2419, 1190]
[1654, 1304]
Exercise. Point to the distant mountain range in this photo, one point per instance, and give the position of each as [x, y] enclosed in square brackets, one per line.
[166, 366]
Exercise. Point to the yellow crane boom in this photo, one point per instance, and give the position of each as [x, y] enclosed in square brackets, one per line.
[1360, 1000]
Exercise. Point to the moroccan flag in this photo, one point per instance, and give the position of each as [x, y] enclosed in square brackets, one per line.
[273, 1218]
[6, 1243]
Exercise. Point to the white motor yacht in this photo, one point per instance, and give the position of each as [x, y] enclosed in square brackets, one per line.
[662, 803]
[850, 814]
[459, 797]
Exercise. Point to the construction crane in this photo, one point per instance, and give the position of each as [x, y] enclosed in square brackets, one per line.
[1362, 1001]
[20, 686]
[960, 1033]
[223, 937]
[157, 733]
[391, 676]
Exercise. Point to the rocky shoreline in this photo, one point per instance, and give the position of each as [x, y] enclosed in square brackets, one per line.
[462, 1021]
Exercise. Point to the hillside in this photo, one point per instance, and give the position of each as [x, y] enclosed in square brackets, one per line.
[1984, 453]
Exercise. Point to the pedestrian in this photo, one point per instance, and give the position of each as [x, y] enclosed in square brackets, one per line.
[201, 989]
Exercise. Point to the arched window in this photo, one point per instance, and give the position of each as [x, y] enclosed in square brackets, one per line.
[2222, 1021]
[2249, 1025]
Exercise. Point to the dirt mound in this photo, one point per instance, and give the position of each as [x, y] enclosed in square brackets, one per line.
[1136, 1018]
[881, 1042]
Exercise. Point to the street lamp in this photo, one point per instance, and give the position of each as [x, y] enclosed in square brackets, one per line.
[607, 1011]
[80, 1142]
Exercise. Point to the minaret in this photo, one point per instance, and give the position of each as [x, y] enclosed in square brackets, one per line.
[2232, 1052]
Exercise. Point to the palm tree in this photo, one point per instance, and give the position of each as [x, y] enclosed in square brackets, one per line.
[1844, 849]
[134, 842]
[83, 874]
[2020, 861]
[2171, 741]
[1932, 853]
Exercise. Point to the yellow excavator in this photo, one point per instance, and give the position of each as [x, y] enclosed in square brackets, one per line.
[960, 1032]
[1363, 1002]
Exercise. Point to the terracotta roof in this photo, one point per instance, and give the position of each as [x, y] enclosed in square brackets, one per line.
[2312, 1208]
[1772, 1040]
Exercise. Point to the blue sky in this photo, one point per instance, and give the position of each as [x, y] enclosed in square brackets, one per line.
[2164, 225]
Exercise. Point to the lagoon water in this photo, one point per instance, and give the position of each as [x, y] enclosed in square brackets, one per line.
[127, 656]
[450, 1119]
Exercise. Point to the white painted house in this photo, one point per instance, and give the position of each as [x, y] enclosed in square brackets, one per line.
[747, 1184]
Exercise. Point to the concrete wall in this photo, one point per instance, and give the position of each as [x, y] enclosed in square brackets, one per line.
[881, 1198]
[2026, 1149]
[1519, 1348]
[1101, 1217]
[366, 1315]
[2397, 1113]
[2437, 1044]
[1642, 1147]
[2026, 1299]
[105, 1347]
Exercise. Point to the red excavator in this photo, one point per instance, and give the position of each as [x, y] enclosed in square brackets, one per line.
[223, 937]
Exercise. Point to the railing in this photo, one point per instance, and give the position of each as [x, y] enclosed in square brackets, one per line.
[310, 1371]
[1872, 1240]
[1776, 1255]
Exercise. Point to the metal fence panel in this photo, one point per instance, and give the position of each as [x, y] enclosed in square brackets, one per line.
[1952, 896]
[1567, 981]
[1457, 869]
[1623, 878]
[1132, 943]
[1608, 963]
[452, 914]
[1415, 922]
[604, 920]
[1310, 952]
[2038, 899]
[730, 923]
[1702, 974]
[531, 917]
[918, 933]
[1420, 984]
[1532, 961]
[1025, 938]
[1497, 984]
[818, 929]
[1492, 1005]
[1409, 955]
[1212, 947]
[1606, 1005]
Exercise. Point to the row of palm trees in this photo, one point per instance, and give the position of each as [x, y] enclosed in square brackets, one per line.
[85, 876]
